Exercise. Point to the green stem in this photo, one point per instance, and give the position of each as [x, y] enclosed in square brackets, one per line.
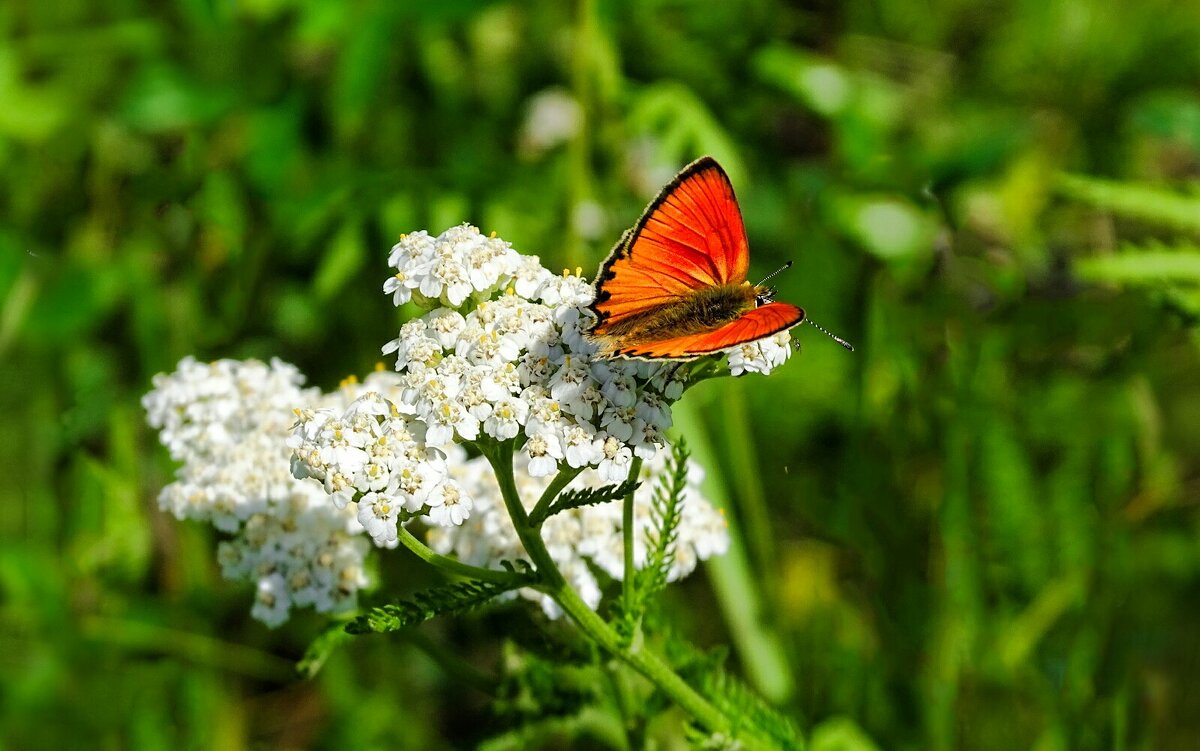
[618, 684]
[651, 666]
[635, 469]
[200, 649]
[452, 664]
[560, 481]
[579, 147]
[555, 585]
[736, 584]
[452, 565]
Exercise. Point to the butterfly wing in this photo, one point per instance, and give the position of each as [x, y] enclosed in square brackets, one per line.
[690, 237]
[753, 324]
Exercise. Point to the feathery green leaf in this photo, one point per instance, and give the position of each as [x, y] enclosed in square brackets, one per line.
[666, 510]
[736, 699]
[1134, 200]
[430, 603]
[587, 497]
[1152, 264]
[706, 671]
[319, 650]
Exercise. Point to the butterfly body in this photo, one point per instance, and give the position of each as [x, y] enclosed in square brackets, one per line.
[705, 310]
[674, 287]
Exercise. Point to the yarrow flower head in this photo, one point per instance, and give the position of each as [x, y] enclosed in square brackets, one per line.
[455, 266]
[371, 455]
[228, 423]
[761, 356]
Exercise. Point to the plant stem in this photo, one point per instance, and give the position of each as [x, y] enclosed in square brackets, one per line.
[579, 147]
[451, 663]
[635, 469]
[452, 565]
[560, 481]
[734, 581]
[552, 583]
[619, 686]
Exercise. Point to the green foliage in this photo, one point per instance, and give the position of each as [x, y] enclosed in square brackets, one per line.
[321, 648]
[640, 595]
[1172, 270]
[1125, 198]
[458, 597]
[840, 734]
[707, 671]
[1147, 264]
[738, 700]
[666, 510]
[533, 688]
[551, 689]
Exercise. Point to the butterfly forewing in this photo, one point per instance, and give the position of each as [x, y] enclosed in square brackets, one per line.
[696, 227]
[690, 237]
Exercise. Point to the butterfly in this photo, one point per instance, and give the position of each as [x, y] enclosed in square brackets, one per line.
[674, 287]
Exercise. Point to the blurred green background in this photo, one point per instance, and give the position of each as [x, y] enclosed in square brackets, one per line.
[978, 531]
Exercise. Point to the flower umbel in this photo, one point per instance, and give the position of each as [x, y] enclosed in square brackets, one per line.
[228, 423]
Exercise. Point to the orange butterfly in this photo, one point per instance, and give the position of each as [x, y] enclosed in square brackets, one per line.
[674, 287]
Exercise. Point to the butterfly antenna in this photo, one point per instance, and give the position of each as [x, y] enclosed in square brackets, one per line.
[830, 334]
[779, 270]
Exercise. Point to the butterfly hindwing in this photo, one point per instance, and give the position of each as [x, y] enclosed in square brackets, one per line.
[689, 238]
[754, 324]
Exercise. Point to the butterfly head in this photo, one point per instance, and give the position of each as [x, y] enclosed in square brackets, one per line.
[764, 294]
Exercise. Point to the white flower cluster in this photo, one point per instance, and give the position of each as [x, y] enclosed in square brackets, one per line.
[228, 423]
[374, 459]
[457, 265]
[577, 539]
[761, 356]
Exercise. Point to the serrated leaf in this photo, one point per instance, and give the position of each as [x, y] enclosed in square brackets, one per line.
[587, 497]
[754, 716]
[666, 511]
[735, 699]
[430, 603]
[320, 649]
